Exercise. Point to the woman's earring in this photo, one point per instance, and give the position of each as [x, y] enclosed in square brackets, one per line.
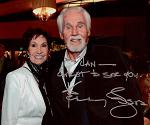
[28, 55]
[49, 54]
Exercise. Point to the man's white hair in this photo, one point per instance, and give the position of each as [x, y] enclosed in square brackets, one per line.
[77, 9]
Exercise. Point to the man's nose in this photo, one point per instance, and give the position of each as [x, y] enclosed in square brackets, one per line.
[74, 31]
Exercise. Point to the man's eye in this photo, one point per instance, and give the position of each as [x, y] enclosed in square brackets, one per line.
[67, 27]
[80, 26]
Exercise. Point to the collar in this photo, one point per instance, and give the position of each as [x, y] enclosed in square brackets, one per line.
[80, 56]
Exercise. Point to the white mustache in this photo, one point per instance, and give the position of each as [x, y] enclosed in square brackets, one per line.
[75, 37]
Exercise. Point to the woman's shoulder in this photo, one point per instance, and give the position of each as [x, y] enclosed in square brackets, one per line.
[22, 71]
[17, 78]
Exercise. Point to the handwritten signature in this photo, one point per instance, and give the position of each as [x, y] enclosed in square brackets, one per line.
[74, 96]
[113, 94]
[105, 75]
[123, 102]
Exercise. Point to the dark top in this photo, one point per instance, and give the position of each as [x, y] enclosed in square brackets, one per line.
[104, 95]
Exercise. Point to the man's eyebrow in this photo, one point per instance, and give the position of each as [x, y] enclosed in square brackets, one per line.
[67, 24]
[80, 22]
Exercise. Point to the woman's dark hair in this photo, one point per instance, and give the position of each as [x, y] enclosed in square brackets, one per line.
[30, 33]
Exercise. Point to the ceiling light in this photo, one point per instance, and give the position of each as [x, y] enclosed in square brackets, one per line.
[43, 9]
[70, 3]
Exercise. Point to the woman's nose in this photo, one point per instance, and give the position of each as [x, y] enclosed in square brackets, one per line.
[39, 50]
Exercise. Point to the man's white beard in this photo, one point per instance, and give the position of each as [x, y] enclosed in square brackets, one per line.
[76, 48]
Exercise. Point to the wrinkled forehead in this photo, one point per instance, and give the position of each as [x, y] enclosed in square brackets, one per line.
[72, 11]
[74, 17]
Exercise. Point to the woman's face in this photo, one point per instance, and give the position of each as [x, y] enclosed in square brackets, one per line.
[38, 50]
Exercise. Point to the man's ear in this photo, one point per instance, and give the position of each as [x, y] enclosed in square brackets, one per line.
[61, 36]
[89, 33]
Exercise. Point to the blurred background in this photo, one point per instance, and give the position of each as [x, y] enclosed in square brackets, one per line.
[121, 23]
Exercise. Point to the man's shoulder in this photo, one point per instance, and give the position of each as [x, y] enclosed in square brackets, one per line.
[106, 54]
[104, 50]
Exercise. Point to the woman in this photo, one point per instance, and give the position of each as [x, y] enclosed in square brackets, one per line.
[25, 101]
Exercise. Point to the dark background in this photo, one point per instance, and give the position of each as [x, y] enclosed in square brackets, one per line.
[121, 23]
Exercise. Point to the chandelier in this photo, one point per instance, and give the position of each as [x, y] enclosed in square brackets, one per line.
[43, 9]
[70, 3]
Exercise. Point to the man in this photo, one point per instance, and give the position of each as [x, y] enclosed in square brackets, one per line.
[90, 85]
[6, 66]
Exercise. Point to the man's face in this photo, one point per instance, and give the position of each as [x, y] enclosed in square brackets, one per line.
[75, 33]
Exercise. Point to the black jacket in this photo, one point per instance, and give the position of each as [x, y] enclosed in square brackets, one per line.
[104, 94]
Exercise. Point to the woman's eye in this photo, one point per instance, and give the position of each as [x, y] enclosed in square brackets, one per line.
[44, 45]
[32, 45]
